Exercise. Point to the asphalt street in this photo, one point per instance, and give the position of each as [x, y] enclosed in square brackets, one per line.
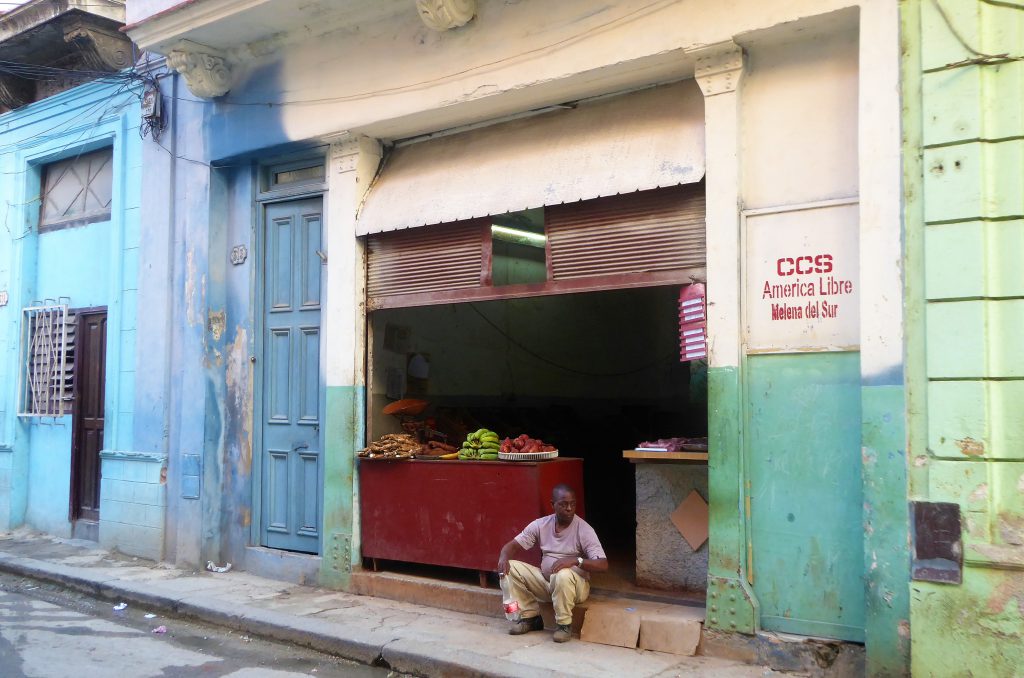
[48, 632]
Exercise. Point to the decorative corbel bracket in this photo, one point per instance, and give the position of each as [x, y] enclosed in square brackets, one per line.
[719, 67]
[442, 15]
[102, 49]
[207, 72]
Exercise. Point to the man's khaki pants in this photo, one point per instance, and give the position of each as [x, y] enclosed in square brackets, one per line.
[529, 587]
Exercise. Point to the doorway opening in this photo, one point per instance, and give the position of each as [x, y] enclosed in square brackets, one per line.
[594, 374]
[88, 420]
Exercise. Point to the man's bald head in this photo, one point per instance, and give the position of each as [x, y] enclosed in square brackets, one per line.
[560, 489]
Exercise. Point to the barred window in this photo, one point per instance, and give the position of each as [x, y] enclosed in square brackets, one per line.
[77, 190]
[47, 361]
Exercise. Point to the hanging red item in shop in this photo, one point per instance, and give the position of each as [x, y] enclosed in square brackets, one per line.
[693, 323]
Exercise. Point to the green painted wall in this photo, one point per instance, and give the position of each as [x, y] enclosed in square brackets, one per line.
[731, 605]
[886, 567]
[964, 201]
[805, 492]
[344, 432]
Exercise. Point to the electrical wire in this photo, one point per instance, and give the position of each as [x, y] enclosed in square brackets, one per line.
[1003, 3]
[109, 5]
[65, 127]
[981, 58]
[628, 17]
[132, 75]
[572, 370]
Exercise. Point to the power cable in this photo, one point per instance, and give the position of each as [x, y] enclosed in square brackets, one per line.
[1003, 3]
[980, 57]
[628, 17]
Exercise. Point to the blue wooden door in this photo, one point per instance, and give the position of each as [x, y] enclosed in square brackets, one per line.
[291, 394]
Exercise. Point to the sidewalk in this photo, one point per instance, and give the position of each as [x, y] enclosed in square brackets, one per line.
[407, 638]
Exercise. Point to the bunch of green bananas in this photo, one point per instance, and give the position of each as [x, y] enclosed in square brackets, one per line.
[482, 444]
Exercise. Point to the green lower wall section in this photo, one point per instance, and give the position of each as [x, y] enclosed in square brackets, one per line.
[805, 492]
[731, 605]
[886, 530]
[975, 629]
[343, 435]
[724, 473]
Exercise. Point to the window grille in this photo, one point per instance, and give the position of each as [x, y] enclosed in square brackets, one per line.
[47, 361]
[77, 190]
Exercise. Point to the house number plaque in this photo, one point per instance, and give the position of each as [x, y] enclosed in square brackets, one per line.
[239, 254]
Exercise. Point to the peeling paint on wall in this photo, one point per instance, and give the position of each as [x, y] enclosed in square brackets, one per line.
[971, 447]
[240, 395]
[959, 215]
[215, 323]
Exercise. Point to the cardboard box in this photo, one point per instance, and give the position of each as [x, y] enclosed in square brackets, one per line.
[676, 635]
[651, 626]
[611, 624]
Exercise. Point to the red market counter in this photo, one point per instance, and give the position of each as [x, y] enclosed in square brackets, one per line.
[456, 513]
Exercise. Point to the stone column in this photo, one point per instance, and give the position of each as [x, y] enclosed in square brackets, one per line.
[352, 166]
[731, 603]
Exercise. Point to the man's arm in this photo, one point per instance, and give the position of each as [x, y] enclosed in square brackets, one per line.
[589, 564]
[590, 549]
[508, 551]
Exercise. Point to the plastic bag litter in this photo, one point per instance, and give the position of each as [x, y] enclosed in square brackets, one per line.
[159, 629]
[214, 568]
[120, 606]
[150, 615]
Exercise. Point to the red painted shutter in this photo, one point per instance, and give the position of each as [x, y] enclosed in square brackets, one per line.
[635, 240]
[430, 259]
[647, 231]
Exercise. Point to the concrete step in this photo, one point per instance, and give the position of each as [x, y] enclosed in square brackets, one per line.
[475, 599]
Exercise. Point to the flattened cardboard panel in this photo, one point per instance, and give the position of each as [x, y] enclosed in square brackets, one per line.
[670, 634]
[610, 624]
[691, 519]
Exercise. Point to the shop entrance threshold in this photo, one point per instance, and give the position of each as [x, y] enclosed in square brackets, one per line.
[446, 589]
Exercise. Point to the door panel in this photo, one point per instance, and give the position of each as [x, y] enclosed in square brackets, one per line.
[277, 482]
[309, 376]
[279, 374]
[309, 468]
[87, 418]
[311, 262]
[292, 399]
[806, 494]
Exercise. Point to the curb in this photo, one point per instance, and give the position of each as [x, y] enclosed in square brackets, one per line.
[375, 648]
[831, 659]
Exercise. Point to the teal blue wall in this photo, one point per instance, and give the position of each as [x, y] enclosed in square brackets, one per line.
[805, 492]
[91, 265]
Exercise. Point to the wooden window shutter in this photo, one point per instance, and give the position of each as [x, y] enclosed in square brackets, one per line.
[647, 231]
[433, 259]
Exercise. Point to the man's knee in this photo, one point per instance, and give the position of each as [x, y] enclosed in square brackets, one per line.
[518, 570]
[564, 578]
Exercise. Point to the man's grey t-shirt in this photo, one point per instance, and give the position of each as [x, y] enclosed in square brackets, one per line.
[578, 539]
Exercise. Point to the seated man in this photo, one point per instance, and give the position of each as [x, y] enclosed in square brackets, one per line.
[570, 551]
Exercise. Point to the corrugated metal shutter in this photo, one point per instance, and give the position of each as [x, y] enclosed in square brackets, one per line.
[427, 260]
[659, 230]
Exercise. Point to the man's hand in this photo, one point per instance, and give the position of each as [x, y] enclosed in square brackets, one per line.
[563, 563]
[507, 552]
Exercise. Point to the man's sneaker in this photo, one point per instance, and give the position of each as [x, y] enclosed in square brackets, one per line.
[526, 625]
[563, 634]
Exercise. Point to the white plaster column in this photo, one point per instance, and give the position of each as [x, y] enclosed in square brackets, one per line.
[719, 71]
[352, 166]
[881, 183]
